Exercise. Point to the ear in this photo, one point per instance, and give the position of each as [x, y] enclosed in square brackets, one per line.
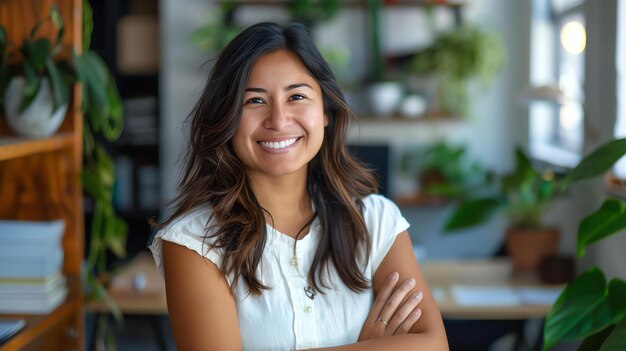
[325, 120]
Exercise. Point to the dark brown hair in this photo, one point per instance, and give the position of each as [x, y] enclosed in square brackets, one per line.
[214, 175]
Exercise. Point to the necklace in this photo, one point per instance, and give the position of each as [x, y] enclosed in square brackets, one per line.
[308, 290]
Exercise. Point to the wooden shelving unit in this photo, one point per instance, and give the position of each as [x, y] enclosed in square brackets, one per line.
[39, 180]
[15, 147]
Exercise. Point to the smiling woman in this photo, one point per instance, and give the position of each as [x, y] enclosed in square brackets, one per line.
[278, 240]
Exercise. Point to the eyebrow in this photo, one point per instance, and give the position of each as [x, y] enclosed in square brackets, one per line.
[289, 87]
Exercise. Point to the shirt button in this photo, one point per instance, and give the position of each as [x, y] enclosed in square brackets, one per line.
[294, 262]
[308, 309]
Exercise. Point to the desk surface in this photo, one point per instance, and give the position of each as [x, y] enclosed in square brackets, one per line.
[441, 276]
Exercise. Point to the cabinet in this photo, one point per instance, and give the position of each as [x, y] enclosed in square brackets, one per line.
[39, 180]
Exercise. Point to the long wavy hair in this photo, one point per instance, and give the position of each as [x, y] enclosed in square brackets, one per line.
[214, 175]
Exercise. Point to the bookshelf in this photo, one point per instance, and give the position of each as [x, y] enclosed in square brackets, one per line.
[126, 35]
[40, 180]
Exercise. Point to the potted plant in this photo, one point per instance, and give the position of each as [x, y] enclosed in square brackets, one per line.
[39, 60]
[383, 91]
[589, 308]
[35, 92]
[453, 59]
[444, 172]
[523, 195]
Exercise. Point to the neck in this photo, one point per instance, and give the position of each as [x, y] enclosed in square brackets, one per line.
[285, 198]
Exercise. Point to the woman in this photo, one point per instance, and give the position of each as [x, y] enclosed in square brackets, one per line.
[278, 240]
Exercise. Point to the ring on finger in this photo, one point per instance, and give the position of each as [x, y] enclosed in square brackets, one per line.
[382, 321]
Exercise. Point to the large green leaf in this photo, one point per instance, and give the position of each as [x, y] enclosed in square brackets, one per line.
[617, 339]
[585, 307]
[595, 341]
[472, 213]
[608, 220]
[598, 162]
[37, 53]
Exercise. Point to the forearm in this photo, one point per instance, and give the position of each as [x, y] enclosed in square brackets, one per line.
[409, 342]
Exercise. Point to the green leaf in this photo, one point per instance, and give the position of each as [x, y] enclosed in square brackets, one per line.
[87, 24]
[617, 339]
[608, 220]
[31, 88]
[472, 212]
[115, 234]
[59, 87]
[56, 18]
[585, 307]
[595, 341]
[597, 162]
[37, 53]
[114, 125]
[105, 169]
[93, 185]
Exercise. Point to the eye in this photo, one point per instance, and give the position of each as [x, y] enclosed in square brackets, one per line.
[297, 97]
[254, 100]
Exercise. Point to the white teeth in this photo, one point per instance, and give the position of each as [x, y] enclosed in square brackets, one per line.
[278, 145]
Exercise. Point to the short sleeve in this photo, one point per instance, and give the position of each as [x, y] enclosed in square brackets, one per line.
[188, 231]
[384, 222]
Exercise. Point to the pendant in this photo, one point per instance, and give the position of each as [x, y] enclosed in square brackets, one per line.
[310, 293]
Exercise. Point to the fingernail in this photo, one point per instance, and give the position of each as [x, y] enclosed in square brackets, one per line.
[411, 282]
[417, 312]
[394, 275]
[418, 296]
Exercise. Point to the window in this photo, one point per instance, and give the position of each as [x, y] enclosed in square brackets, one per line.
[556, 104]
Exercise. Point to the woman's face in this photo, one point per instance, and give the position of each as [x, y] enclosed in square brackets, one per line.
[283, 120]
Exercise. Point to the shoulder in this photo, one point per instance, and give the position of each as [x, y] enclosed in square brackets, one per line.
[188, 230]
[379, 210]
[376, 203]
[192, 223]
[384, 222]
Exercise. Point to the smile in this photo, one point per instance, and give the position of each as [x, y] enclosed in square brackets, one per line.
[278, 145]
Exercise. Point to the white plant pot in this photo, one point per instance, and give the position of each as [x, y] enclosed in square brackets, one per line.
[385, 97]
[37, 121]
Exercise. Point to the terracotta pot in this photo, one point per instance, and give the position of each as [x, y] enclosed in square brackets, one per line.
[528, 248]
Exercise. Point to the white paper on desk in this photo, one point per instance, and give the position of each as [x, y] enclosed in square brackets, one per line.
[470, 295]
[539, 296]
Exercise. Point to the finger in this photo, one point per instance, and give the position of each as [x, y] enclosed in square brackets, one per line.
[383, 295]
[408, 323]
[403, 313]
[396, 299]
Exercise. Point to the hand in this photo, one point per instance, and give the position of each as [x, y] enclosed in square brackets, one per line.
[393, 312]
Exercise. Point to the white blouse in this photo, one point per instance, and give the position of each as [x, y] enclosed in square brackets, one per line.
[285, 317]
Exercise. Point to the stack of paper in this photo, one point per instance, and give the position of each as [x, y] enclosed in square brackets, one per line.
[31, 262]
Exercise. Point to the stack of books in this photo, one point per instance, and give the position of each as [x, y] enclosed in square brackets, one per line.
[31, 264]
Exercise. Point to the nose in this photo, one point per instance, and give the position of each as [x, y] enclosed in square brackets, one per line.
[278, 118]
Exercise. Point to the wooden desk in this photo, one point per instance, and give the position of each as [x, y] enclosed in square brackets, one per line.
[441, 275]
[148, 301]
